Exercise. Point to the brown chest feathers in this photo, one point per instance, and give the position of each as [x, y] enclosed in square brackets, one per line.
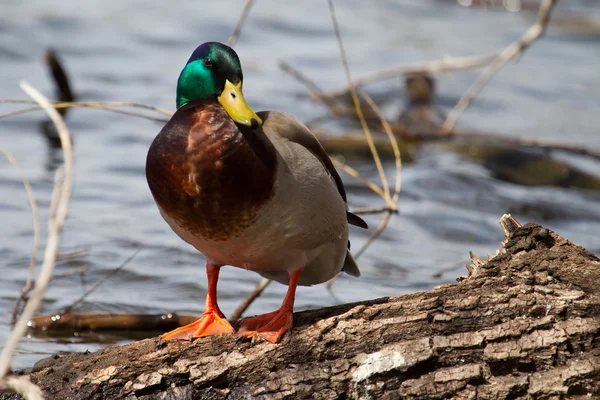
[208, 174]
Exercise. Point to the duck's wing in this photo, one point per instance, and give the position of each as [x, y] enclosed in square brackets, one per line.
[287, 126]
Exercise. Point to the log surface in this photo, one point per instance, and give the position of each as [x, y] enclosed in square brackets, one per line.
[525, 324]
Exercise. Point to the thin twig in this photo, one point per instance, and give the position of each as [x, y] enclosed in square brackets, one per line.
[373, 210]
[62, 192]
[100, 282]
[544, 144]
[36, 232]
[398, 184]
[513, 50]
[72, 255]
[393, 141]
[364, 247]
[238, 28]
[316, 91]
[356, 175]
[22, 386]
[246, 303]
[312, 87]
[107, 106]
[391, 203]
[445, 64]
[355, 100]
[19, 112]
[374, 235]
[75, 271]
[98, 104]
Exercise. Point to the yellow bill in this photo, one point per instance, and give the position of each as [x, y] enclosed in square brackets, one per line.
[233, 101]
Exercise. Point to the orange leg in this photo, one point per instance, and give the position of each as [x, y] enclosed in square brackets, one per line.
[212, 321]
[274, 325]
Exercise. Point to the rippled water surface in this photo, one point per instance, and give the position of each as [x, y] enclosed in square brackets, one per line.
[130, 50]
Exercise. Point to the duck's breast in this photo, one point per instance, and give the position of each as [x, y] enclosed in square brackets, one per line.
[206, 178]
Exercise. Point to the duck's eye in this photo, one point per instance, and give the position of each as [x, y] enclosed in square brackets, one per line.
[208, 62]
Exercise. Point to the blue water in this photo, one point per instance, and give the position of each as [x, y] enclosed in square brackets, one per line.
[133, 51]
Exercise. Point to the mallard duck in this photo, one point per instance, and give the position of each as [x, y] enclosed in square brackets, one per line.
[251, 190]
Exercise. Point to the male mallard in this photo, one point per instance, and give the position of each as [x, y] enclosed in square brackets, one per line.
[256, 191]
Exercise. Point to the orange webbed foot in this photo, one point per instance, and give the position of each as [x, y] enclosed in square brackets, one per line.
[212, 322]
[271, 326]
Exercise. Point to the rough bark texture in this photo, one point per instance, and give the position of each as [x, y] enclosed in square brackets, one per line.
[525, 324]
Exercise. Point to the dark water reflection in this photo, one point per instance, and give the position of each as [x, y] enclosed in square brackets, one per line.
[133, 51]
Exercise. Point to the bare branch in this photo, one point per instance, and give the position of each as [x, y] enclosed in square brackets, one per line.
[238, 28]
[373, 210]
[445, 64]
[36, 231]
[355, 174]
[61, 195]
[364, 247]
[250, 299]
[22, 386]
[394, 142]
[100, 282]
[75, 271]
[107, 106]
[513, 50]
[312, 87]
[355, 100]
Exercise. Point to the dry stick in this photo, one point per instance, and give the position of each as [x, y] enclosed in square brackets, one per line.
[22, 386]
[100, 282]
[513, 50]
[373, 210]
[386, 192]
[133, 114]
[445, 64]
[130, 113]
[75, 271]
[36, 232]
[108, 106]
[312, 87]
[356, 175]
[316, 91]
[250, 299]
[359, 113]
[363, 248]
[547, 145]
[318, 95]
[62, 104]
[397, 187]
[72, 255]
[394, 142]
[19, 112]
[372, 238]
[61, 195]
[238, 28]
[528, 142]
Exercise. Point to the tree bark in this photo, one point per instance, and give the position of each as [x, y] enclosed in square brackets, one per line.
[525, 324]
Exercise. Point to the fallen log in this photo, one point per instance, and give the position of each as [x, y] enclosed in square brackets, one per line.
[525, 324]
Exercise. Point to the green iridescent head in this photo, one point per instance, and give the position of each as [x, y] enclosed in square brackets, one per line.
[213, 72]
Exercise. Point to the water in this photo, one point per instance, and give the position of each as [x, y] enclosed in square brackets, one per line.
[133, 51]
